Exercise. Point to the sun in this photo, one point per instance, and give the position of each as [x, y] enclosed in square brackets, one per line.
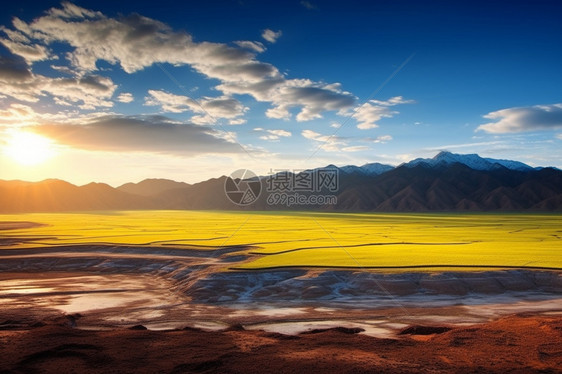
[28, 148]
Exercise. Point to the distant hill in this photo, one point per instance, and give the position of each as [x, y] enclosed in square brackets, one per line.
[151, 187]
[446, 182]
[54, 195]
[455, 187]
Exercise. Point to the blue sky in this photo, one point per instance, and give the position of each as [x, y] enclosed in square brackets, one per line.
[130, 90]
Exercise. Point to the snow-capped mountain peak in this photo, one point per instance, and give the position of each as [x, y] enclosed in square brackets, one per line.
[374, 168]
[473, 161]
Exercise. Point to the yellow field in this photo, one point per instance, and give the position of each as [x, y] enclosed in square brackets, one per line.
[315, 239]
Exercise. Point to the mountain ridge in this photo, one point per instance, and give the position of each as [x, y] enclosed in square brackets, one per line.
[446, 182]
[151, 186]
[473, 161]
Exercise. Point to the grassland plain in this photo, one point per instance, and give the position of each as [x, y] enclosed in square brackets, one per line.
[304, 239]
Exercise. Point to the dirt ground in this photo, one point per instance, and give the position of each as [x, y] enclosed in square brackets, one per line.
[514, 344]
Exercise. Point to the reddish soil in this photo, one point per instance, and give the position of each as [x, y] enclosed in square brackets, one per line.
[514, 344]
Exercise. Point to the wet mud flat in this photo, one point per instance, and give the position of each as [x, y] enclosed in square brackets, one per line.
[127, 309]
[166, 288]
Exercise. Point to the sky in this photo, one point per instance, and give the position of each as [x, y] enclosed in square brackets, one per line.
[117, 92]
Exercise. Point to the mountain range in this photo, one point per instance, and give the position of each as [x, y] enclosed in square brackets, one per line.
[446, 182]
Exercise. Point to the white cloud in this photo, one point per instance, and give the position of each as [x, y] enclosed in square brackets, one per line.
[125, 97]
[270, 35]
[64, 69]
[520, 119]
[396, 100]
[309, 134]
[355, 148]
[312, 98]
[329, 143]
[559, 136]
[370, 114]
[135, 42]
[383, 138]
[70, 11]
[335, 125]
[379, 139]
[92, 91]
[170, 102]
[19, 44]
[17, 114]
[254, 46]
[273, 135]
[30, 53]
[269, 137]
[223, 107]
[15, 35]
[208, 109]
[237, 121]
[284, 133]
[333, 143]
[373, 111]
[87, 91]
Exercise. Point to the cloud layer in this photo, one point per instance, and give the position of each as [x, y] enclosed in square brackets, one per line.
[138, 134]
[134, 43]
[74, 40]
[86, 91]
[119, 133]
[532, 118]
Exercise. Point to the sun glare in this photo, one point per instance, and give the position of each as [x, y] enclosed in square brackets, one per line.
[27, 148]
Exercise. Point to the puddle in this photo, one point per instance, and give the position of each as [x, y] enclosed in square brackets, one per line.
[211, 326]
[295, 328]
[135, 296]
